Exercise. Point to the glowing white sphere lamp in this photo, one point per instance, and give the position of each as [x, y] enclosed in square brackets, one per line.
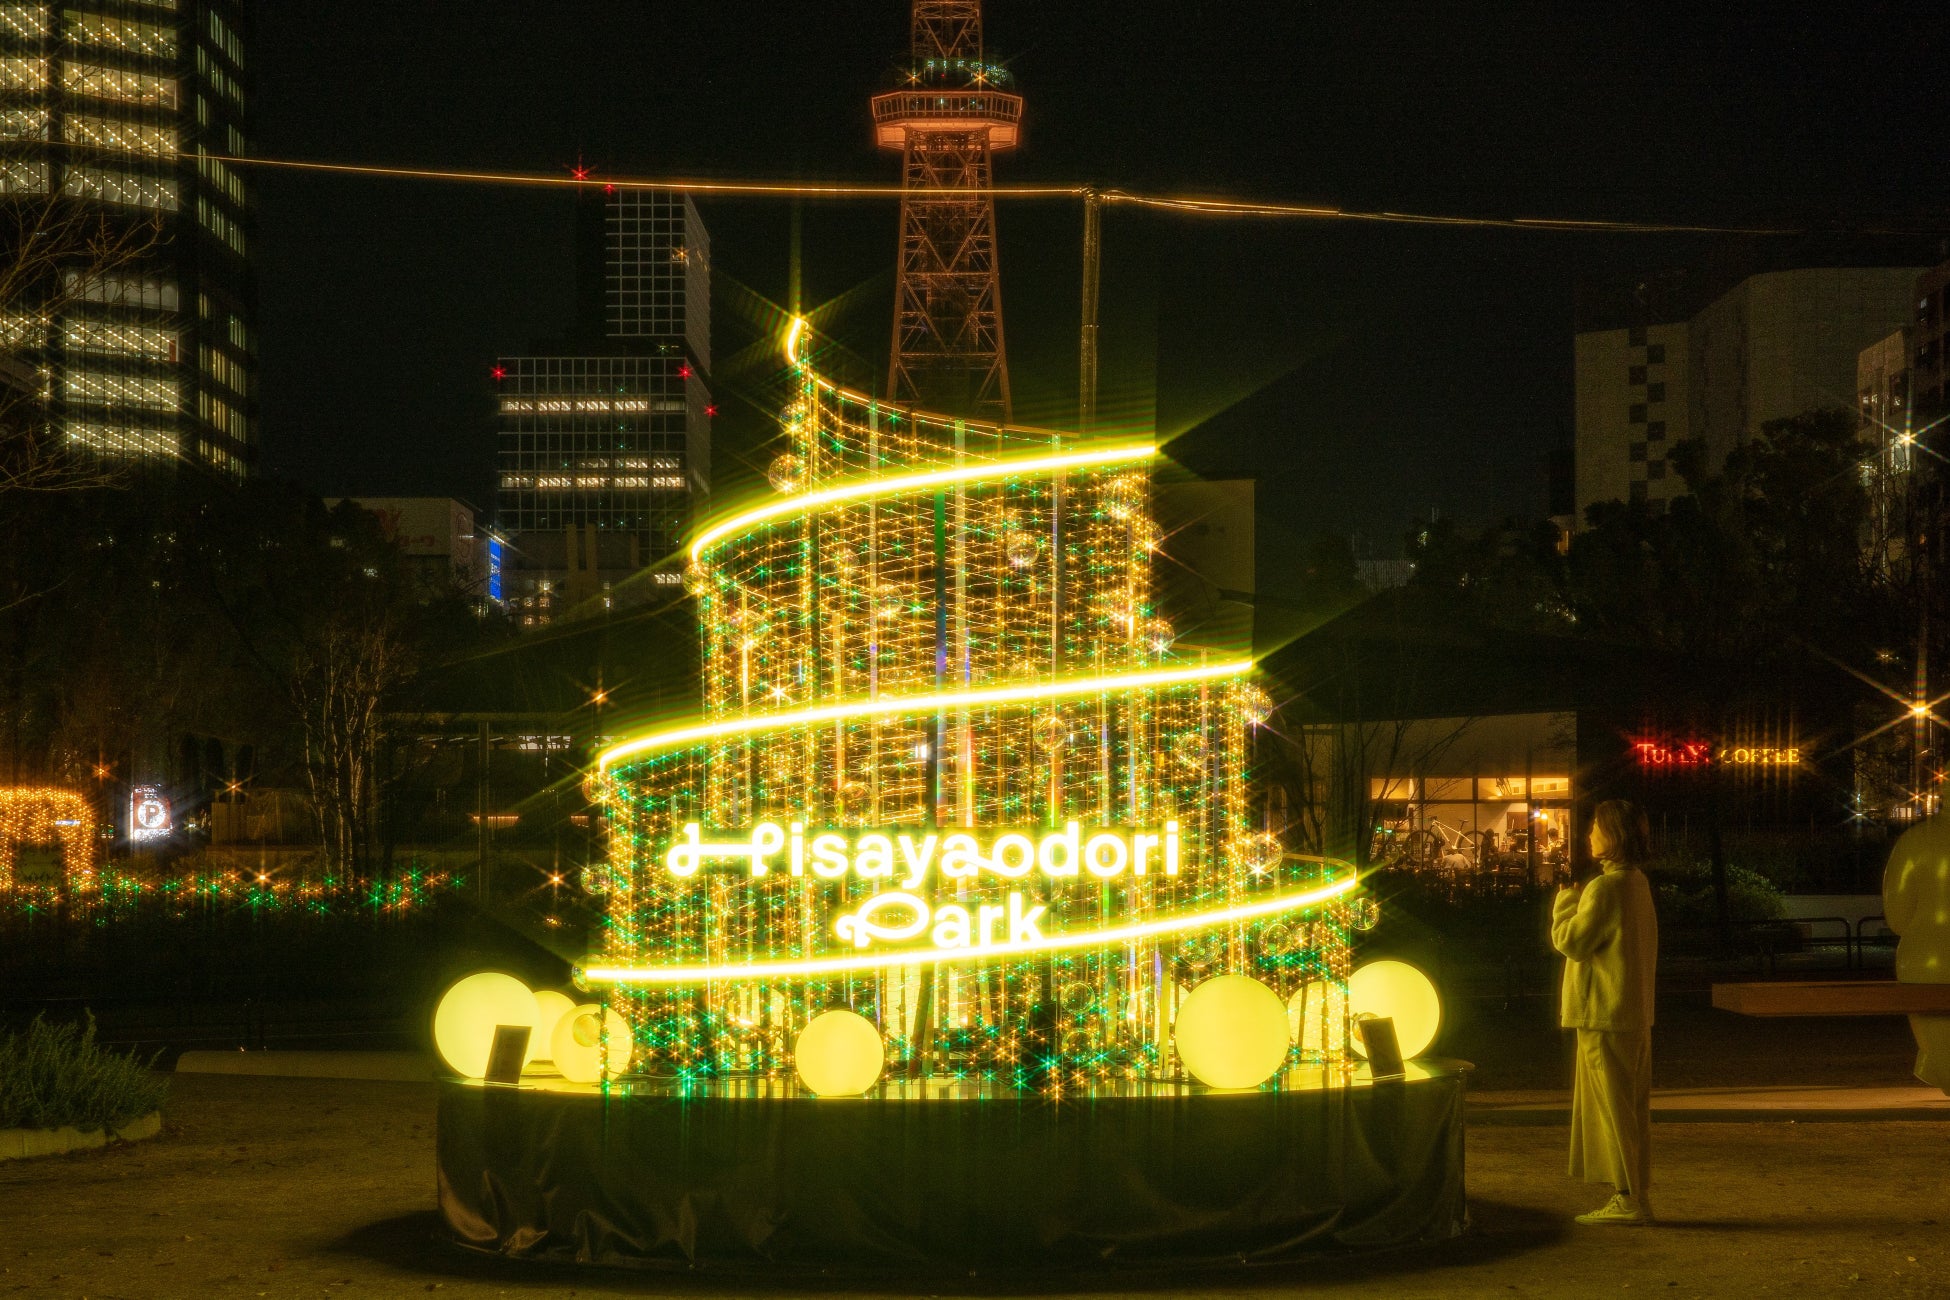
[1403, 994]
[1232, 1032]
[469, 1012]
[550, 1007]
[839, 1054]
[578, 1048]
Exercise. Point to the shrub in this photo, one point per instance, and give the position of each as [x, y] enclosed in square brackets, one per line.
[57, 1076]
[1685, 894]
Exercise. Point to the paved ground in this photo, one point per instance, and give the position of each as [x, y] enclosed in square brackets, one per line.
[273, 1187]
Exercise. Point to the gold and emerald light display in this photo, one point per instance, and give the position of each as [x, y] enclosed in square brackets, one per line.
[950, 774]
[48, 819]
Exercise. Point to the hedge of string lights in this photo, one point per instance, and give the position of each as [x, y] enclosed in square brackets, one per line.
[54, 818]
[951, 782]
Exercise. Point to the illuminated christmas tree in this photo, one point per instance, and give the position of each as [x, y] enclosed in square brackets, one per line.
[951, 775]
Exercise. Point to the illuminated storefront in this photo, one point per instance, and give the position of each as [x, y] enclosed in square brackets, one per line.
[1479, 801]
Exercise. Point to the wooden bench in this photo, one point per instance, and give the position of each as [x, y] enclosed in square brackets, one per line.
[1832, 998]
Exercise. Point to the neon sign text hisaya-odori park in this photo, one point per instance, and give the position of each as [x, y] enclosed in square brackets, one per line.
[905, 860]
[1075, 852]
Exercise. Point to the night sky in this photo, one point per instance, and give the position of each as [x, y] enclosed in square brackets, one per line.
[1365, 374]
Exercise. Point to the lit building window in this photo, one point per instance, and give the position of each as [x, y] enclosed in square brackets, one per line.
[23, 124]
[226, 182]
[221, 224]
[22, 176]
[129, 137]
[23, 74]
[226, 40]
[30, 21]
[221, 414]
[120, 338]
[93, 388]
[121, 34]
[20, 332]
[226, 371]
[114, 83]
[121, 290]
[220, 80]
[123, 440]
[126, 188]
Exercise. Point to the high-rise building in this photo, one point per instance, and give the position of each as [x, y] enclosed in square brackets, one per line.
[605, 439]
[1776, 345]
[1929, 343]
[1901, 406]
[110, 114]
[446, 551]
[1884, 421]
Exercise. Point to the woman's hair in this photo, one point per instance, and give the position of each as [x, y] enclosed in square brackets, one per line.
[1627, 834]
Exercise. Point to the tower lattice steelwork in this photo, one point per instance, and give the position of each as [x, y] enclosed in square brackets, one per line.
[950, 115]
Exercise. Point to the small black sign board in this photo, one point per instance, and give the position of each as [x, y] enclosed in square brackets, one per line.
[40, 864]
[505, 1058]
[1384, 1048]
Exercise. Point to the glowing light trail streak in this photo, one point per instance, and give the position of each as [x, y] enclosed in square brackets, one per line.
[1067, 942]
[924, 702]
[867, 489]
[1171, 203]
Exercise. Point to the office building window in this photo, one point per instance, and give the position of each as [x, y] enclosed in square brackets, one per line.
[226, 371]
[122, 439]
[126, 137]
[30, 21]
[223, 179]
[23, 74]
[121, 338]
[22, 176]
[221, 224]
[95, 82]
[121, 290]
[121, 187]
[19, 331]
[121, 34]
[91, 388]
[226, 40]
[23, 124]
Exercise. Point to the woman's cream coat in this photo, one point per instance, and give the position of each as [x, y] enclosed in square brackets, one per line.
[1609, 932]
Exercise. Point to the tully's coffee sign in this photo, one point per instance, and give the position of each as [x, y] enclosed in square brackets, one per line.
[1694, 755]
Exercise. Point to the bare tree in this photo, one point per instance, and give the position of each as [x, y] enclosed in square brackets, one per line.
[1337, 775]
[345, 666]
[54, 250]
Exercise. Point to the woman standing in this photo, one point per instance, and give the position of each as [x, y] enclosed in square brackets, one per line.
[1608, 934]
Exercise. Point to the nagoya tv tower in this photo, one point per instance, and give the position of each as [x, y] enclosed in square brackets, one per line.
[950, 115]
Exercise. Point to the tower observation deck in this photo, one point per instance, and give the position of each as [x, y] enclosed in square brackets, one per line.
[951, 112]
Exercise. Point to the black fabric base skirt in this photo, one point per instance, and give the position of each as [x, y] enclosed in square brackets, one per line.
[756, 1174]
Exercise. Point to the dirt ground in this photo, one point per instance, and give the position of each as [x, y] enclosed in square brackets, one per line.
[278, 1187]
